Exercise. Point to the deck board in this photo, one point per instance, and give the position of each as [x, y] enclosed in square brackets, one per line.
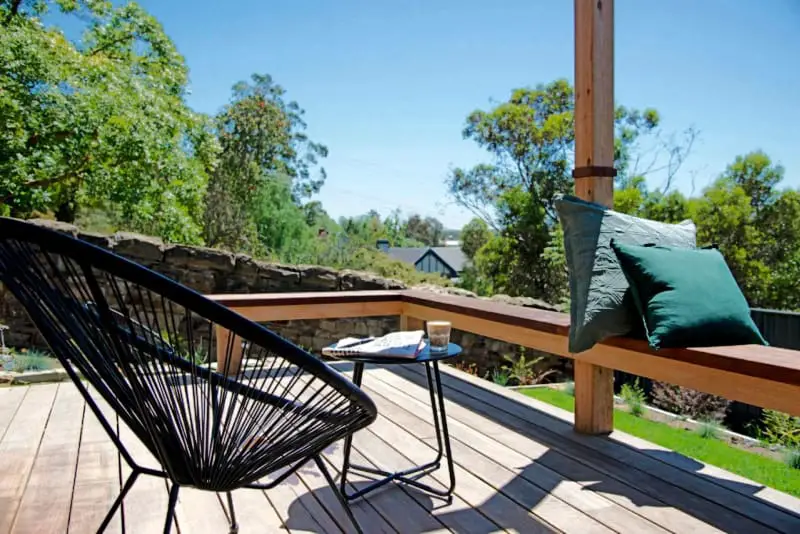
[45, 506]
[711, 498]
[519, 468]
[473, 449]
[19, 448]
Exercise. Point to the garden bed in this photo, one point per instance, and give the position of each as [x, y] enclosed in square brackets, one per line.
[19, 367]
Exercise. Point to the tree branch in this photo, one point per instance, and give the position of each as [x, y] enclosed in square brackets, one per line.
[105, 46]
[14, 10]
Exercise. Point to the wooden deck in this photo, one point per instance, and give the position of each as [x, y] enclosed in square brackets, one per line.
[520, 468]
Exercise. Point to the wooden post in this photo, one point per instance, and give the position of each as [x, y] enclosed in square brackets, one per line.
[411, 323]
[594, 175]
[223, 341]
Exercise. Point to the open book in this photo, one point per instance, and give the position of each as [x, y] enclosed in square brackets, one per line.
[394, 345]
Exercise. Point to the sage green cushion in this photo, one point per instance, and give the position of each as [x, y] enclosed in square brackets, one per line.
[687, 298]
[600, 302]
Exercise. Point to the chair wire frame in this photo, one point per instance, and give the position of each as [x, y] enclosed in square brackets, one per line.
[145, 344]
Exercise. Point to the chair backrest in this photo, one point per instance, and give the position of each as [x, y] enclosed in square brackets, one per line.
[146, 344]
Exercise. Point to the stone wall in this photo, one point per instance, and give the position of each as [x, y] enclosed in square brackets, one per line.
[217, 271]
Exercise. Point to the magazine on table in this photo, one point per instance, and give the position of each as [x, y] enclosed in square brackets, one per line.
[393, 345]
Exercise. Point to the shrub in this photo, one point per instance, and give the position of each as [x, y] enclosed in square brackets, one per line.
[501, 377]
[781, 429]
[523, 371]
[633, 396]
[708, 430]
[31, 360]
[792, 458]
[689, 402]
[471, 368]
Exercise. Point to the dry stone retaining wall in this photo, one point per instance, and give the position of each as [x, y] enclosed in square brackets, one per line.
[210, 270]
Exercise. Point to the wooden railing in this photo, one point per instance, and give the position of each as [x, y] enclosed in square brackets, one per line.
[764, 376]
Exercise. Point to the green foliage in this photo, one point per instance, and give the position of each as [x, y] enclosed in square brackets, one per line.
[531, 138]
[523, 370]
[264, 150]
[781, 429]
[501, 376]
[633, 396]
[30, 360]
[755, 225]
[101, 119]
[474, 236]
[750, 465]
[428, 231]
[708, 430]
[792, 458]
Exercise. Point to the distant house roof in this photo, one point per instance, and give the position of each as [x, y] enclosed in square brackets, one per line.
[407, 254]
[452, 256]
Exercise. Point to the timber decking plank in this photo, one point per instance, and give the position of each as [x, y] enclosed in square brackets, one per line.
[45, 505]
[596, 472]
[317, 488]
[19, 447]
[707, 500]
[10, 399]
[459, 516]
[255, 513]
[467, 442]
[97, 479]
[495, 505]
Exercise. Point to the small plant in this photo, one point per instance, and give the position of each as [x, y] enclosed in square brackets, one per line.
[792, 458]
[569, 388]
[781, 429]
[689, 402]
[30, 360]
[501, 377]
[708, 429]
[522, 369]
[633, 396]
[471, 368]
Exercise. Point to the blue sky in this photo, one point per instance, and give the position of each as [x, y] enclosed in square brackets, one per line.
[387, 85]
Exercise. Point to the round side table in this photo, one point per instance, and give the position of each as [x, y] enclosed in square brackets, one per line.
[408, 476]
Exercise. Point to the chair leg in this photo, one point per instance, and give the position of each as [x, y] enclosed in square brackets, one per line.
[173, 500]
[321, 465]
[125, 489]
[234, 524]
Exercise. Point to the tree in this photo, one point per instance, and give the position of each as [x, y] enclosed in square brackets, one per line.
[281, 225]
[531, 138]
[754, 224]
[262, 139]
[99, 120]
[429, 231]
[474, 235]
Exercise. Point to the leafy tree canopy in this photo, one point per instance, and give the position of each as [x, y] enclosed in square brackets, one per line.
[263, 141]
[755, 224]
[531, 140]
[101, 119]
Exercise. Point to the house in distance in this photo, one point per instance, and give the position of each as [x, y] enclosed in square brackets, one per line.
[447, 261]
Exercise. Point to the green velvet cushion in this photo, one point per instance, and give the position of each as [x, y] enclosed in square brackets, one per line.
[600, 302]
[687, 298]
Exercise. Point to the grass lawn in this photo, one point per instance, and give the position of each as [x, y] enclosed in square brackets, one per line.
[757, 468]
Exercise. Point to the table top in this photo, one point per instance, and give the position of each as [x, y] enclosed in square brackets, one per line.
[425, 355]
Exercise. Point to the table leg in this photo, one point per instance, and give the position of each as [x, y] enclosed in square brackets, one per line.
[409, 476]
[358, 374]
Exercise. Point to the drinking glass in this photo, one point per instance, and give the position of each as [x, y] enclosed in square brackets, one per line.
[439, 335]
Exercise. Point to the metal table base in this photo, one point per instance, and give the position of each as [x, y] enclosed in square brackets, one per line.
[412, 475]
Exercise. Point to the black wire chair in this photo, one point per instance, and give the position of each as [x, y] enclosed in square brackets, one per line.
[145, 344]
